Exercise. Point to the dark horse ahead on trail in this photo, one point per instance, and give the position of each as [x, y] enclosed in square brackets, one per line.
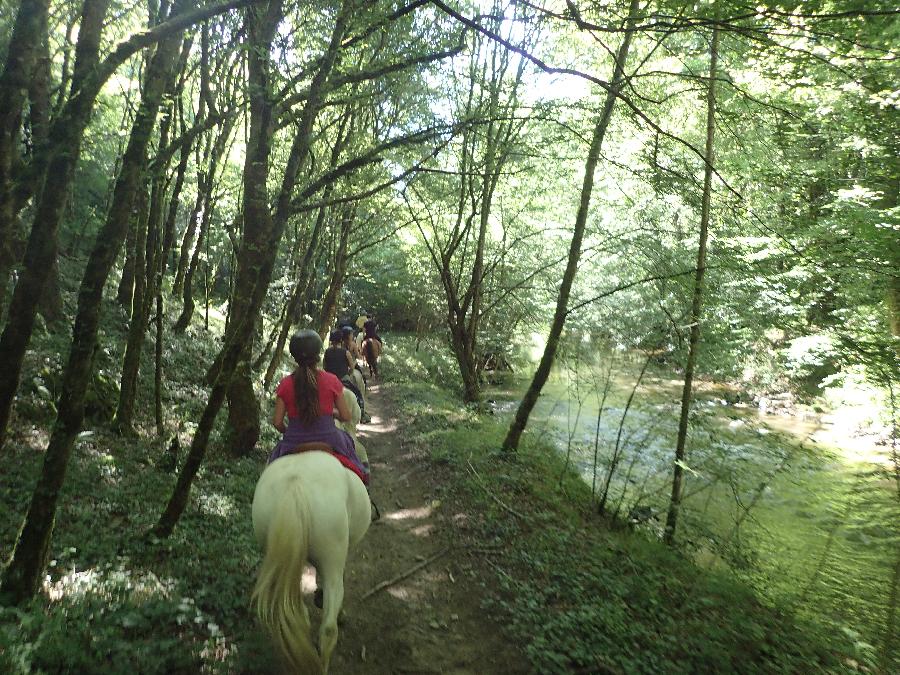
[371, 349]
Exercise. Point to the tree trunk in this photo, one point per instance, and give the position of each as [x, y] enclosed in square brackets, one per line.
[687, 391]
[206, 207]
[51, 305]
[172, 213]
[511, 442]
[62, 151]
[330, 301]
[186, 250]
[28, 36]
[138, 324]
[125, 293]
[243, 410]
[22, 576]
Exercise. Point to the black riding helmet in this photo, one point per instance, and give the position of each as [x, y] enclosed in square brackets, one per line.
[336, 336]
[306, 345]
[347, 330]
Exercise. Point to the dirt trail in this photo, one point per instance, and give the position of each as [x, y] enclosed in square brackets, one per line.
[430, 621]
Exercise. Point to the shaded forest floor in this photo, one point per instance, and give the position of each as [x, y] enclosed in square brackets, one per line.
[509, 569]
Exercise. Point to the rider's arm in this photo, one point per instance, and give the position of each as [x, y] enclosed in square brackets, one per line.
[350, 360]
[342, 411]
[278, 417]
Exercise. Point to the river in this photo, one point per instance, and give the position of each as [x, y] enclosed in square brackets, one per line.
[800, 507]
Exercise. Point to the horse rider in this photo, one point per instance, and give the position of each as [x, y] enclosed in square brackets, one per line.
[370, 327]
[351, 346]
[311, 398]
[339, 362]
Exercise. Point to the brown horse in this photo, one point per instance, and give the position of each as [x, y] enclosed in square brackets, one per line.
[371, 349]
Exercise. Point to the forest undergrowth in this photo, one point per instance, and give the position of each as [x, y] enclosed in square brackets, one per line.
[583, 594]
[577, 594]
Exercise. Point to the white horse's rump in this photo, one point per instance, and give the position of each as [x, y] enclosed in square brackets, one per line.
[307, 507]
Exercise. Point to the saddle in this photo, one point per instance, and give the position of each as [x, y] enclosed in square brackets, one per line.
[319, 446]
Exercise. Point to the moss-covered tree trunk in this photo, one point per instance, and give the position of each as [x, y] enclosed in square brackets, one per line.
[511, 442]
[125, 291]
[697, 300]
[138, 323]
[62, 151]
[27, 40]
[24, 572]
[243, 410]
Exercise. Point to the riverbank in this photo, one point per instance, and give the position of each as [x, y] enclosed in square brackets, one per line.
[579, 596]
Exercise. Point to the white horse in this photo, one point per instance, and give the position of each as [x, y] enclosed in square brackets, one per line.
[307, 507]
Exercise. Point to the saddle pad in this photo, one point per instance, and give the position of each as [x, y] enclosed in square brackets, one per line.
[322, 447]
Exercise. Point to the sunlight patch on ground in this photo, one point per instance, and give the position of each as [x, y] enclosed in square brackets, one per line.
[399, 592]
[384, 426]
[104, 581]
[409, 514]
[423, 530]
[217, 504]
[461, 520]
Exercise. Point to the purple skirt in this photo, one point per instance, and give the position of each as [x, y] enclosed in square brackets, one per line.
[323, 430]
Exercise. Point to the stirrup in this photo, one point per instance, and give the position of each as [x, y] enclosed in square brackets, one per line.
[377, 515]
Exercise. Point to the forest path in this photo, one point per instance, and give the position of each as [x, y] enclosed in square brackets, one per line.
[430, 621]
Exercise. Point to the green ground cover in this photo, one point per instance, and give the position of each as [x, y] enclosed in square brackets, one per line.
[582, 596]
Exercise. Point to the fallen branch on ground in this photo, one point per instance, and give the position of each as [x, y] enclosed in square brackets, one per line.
[490, 494]
[400, 577]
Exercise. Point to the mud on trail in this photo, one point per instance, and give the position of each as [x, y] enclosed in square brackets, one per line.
[430, 621]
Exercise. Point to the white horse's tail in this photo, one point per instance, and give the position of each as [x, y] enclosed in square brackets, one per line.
[278, 594]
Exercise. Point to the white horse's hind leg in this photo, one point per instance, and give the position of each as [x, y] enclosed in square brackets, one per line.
[331, 567]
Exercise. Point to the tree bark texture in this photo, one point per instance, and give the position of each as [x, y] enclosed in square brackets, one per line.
[511, 442]
[22, 576]
[243, 410]
[125, 292]
[186, 250]
[138, 324]
[27, 40]
[63, 149]
[330, 301]
[696, 303]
